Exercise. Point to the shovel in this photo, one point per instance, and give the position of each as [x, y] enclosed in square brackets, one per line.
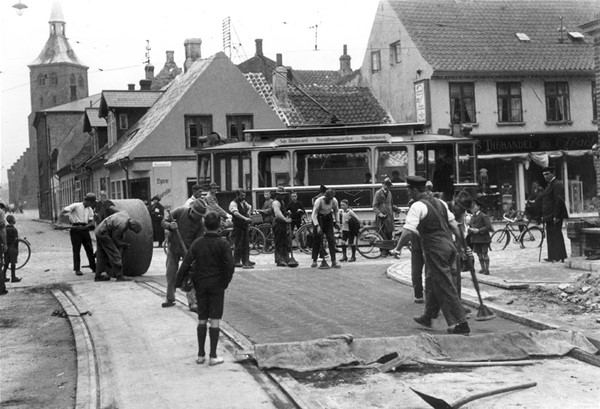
[437, 403]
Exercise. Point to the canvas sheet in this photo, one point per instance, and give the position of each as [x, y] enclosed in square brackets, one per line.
[332, 353]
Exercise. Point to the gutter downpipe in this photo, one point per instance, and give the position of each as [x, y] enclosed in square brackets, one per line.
[126, 170]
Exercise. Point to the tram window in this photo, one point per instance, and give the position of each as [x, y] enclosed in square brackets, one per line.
[466, 163]
[392, 163]
[331, 166]
[273, 168]
[232, 170]
[204, 170]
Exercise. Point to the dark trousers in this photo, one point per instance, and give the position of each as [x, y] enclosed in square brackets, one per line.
[241, 244]
[556, 241]
[326, 224]
[281, 239]
[80, 236]
[109, 256]
[440, 289]
[417, 263]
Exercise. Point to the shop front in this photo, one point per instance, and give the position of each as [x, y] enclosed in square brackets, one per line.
[510, 169]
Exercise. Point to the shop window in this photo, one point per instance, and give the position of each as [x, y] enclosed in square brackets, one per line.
[236, 125]
[375, 61]
[509, 102]
[197, 129]
[557, 101]
[462, 102]
[395, 53]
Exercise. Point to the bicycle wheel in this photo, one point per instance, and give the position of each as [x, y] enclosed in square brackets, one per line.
[500, 240]
[256, 241]
[532, 237]
[24, 253]
[366, 243]
[267, 231]
[304, 237]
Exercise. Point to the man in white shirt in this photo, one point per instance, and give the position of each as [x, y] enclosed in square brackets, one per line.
[196, 193]
[324, 216]
[434, 223]
[81, 216]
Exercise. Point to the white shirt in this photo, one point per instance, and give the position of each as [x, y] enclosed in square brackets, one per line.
[78, 213]
[417, 212]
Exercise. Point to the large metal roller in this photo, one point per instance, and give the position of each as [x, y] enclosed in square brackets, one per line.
[137, 258]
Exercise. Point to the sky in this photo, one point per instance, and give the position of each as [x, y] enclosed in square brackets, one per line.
[110, 37]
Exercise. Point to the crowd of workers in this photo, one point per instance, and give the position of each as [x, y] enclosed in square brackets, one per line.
[442, 234]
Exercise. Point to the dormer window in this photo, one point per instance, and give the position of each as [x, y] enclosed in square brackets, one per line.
[123, 122]
[523, 37]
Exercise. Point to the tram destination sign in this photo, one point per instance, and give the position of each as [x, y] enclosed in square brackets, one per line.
[316, 140]
[536, 143]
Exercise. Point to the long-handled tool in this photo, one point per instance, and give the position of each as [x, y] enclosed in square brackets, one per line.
[292, 261]
[438, 403]
[542, 242]
[483, 312]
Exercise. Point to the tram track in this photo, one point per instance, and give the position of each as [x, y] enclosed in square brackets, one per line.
[281, 387]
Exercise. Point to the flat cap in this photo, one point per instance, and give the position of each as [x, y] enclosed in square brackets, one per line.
[387, 182]
[90, 197]
[416, 181]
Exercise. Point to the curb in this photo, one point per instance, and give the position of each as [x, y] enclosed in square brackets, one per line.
[87, 391]
[531, 320]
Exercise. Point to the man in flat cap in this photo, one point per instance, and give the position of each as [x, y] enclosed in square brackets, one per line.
[554, 211]
[384, 211]
[213, 203]
[434, 223]
[81, 216]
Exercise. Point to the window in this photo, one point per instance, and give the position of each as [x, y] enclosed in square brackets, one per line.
[118, 189]
[273, 166]
[395, 53]
[197, 127]
[42, 79]
[80, 82]
[73, 93]
[462, 102]
[594, 102]
[392, 163]
[375, 61]
[557, 101]
[53, 79]
[236, 124]
[123, 122]
[509, 102]
[54, 99]
[330, 166]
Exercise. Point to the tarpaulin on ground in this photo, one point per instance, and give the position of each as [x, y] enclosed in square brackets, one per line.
[332, 353]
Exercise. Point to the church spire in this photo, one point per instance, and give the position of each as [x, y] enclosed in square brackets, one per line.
[57, 49]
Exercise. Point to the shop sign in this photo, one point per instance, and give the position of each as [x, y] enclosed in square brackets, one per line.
[422, 101]
[535, 143]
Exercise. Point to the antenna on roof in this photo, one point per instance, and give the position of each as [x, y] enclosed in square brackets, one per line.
[562, 30]
[316, 27]
[147, 62]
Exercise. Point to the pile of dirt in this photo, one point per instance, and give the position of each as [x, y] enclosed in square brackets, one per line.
[583, 296]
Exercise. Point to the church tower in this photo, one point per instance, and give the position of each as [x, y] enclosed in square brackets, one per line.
[56, 75]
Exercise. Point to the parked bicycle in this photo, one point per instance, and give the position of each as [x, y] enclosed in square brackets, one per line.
[517, 227]
[371, 241]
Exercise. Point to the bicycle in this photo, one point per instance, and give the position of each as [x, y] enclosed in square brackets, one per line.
[304, 237]
[256, 239]
[24, 248]
[526, 236]
[371, 242]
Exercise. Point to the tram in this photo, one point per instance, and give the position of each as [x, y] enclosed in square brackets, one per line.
[352, 160]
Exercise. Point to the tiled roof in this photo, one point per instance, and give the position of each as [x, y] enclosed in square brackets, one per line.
[130, 99]
[77, 106]
[480, 35]
[93, 119]
[161, 108]
[349, 104]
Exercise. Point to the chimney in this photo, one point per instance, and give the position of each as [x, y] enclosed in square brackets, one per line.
[170, 58]
[192, 52]
[345, 68]
[130, 87]
[149, 71]
[259, 46]
[145, 85]
[280, 83]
